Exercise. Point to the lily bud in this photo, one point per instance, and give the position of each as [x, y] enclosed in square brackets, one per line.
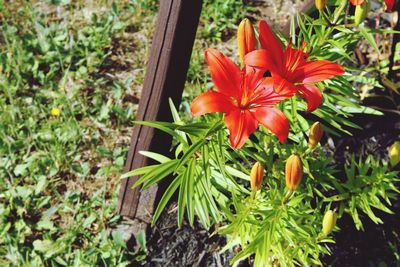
[246, 38]
[316, 132]
[320, 4]
[293, 172]
[256, 176]
[329, 222]
[361, 12]
[394, 154]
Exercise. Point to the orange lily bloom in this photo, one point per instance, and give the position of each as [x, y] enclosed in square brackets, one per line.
[290, 69]
[246, 98]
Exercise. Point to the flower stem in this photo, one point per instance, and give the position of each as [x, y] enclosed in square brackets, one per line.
[338, 11]
[287, 197]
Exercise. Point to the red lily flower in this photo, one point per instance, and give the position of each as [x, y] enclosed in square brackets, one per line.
[290, 69]
[389, 5]
[245, 97]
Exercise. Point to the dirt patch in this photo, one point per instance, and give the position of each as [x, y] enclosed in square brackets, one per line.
[185, 246]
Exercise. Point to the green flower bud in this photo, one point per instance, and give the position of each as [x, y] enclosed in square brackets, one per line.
[361, 12]
[394, 153]
[329, 222]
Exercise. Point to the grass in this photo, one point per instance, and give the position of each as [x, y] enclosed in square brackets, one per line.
[59, 171]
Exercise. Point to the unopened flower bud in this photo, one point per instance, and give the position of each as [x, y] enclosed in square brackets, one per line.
[55, 112]
[394, 154]
[361, 12]
[329, 222]
[256, 176]
[316, 132]
[246, 38]
[293, 172]
[320, 4]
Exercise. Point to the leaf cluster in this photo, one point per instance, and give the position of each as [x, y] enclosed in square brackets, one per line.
[212, 180]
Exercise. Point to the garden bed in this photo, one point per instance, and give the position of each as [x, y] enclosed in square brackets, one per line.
[170, 245]
[375, 245]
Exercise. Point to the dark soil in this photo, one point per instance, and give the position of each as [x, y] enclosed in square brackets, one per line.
[185, 246]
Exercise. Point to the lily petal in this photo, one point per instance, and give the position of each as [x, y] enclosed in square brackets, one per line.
[225, 74]
[246, 38]
[253, 78]
[313, 96]
[317, 71]
[261, 59]
[267, 96]
[241, 125]
[356, 2]
[274, 120]
[269, 42]
[295, 58]
[211, 101]
[283, 86]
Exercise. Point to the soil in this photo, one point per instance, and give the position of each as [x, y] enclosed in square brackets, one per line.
[185, 246]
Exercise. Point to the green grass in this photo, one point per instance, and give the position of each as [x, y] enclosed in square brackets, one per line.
[59, 175]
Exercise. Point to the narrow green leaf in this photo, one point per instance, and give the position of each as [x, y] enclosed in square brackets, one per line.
[190, 173]
[198, 129]
[174, 112]
[155, 156]
[139, 171]
[159, 174]
[370, 38]
[189, 153]
[182, 198]
[165, 198]
[163, 126]
[237, 173]
[160, 171]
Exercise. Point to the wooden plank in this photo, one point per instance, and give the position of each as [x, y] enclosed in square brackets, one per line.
[165, 78]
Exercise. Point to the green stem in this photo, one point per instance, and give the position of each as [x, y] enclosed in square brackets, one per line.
[339, 11]
[287, 197]
[293, 101]
[307, 152]
[252, 196]
[324, 16]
